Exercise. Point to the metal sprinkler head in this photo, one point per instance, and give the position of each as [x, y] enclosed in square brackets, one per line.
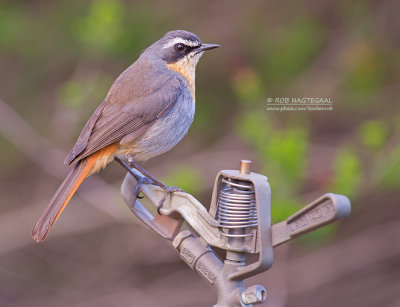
[238, 221]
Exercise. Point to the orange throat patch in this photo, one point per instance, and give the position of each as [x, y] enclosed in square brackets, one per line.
[187, 68]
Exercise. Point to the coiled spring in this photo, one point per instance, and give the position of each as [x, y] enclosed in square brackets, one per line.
[237, 211]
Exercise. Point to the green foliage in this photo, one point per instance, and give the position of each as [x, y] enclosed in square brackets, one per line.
[10, 156]
[282, 206]
[254, 127]
[283, 156]
[184, 177]
[287, 149]
[13, 25]
[80, 91]
[373, 134]
[397, 123]
[208, 124]
[138, 30]
[102, 26]
[365, 71]
[318, 236]
[363, 64]
[247, 86]
[71, 93]
[387, 170]
[291, 50]
[283, 152]
[347, 172]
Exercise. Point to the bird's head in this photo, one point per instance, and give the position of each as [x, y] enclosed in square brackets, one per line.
[181, 51]
[182, 45]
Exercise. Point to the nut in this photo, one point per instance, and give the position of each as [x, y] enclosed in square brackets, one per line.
[254, 295]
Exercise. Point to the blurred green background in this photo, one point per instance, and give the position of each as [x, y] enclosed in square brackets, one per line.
[57, 62]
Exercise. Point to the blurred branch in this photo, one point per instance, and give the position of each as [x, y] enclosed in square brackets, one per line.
[15, 226]
[41, 152]
[35, 147]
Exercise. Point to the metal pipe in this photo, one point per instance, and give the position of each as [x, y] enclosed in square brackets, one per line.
[202, 259]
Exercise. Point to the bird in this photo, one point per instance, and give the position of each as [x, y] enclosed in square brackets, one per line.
[147, 111]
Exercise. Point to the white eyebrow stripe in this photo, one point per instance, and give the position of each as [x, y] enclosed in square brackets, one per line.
[180, 40]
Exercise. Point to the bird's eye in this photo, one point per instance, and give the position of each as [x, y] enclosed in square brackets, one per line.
[179, 47]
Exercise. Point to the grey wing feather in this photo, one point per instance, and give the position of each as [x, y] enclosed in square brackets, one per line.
[113, 120]
[85, 134]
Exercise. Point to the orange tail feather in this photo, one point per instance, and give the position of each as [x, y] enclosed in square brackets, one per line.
[67, 189]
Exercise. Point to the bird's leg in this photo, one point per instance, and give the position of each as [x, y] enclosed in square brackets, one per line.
[146, 173]
[149, 178]
[140, 179]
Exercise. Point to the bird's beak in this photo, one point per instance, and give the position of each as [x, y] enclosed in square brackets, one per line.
[205, 47]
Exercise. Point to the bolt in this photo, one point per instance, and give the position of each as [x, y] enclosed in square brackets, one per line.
[254, 295]
[245, 166]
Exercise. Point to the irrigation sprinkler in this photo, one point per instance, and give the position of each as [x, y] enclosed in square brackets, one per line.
[238, 222]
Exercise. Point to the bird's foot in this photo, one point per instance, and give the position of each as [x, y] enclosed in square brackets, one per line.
[167, 191]
[143, 180]
[148, 178]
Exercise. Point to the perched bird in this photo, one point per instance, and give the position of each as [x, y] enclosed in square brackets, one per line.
[147, 111]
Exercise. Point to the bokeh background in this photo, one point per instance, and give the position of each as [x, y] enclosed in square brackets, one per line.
[57, 62]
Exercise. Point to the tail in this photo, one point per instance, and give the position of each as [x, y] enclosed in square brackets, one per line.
[82, 169]
[62, 197]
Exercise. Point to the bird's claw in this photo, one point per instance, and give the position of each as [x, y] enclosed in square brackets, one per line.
[167, 190]
[143, 180]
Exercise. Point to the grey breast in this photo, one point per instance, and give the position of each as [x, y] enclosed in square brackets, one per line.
[168, 130]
